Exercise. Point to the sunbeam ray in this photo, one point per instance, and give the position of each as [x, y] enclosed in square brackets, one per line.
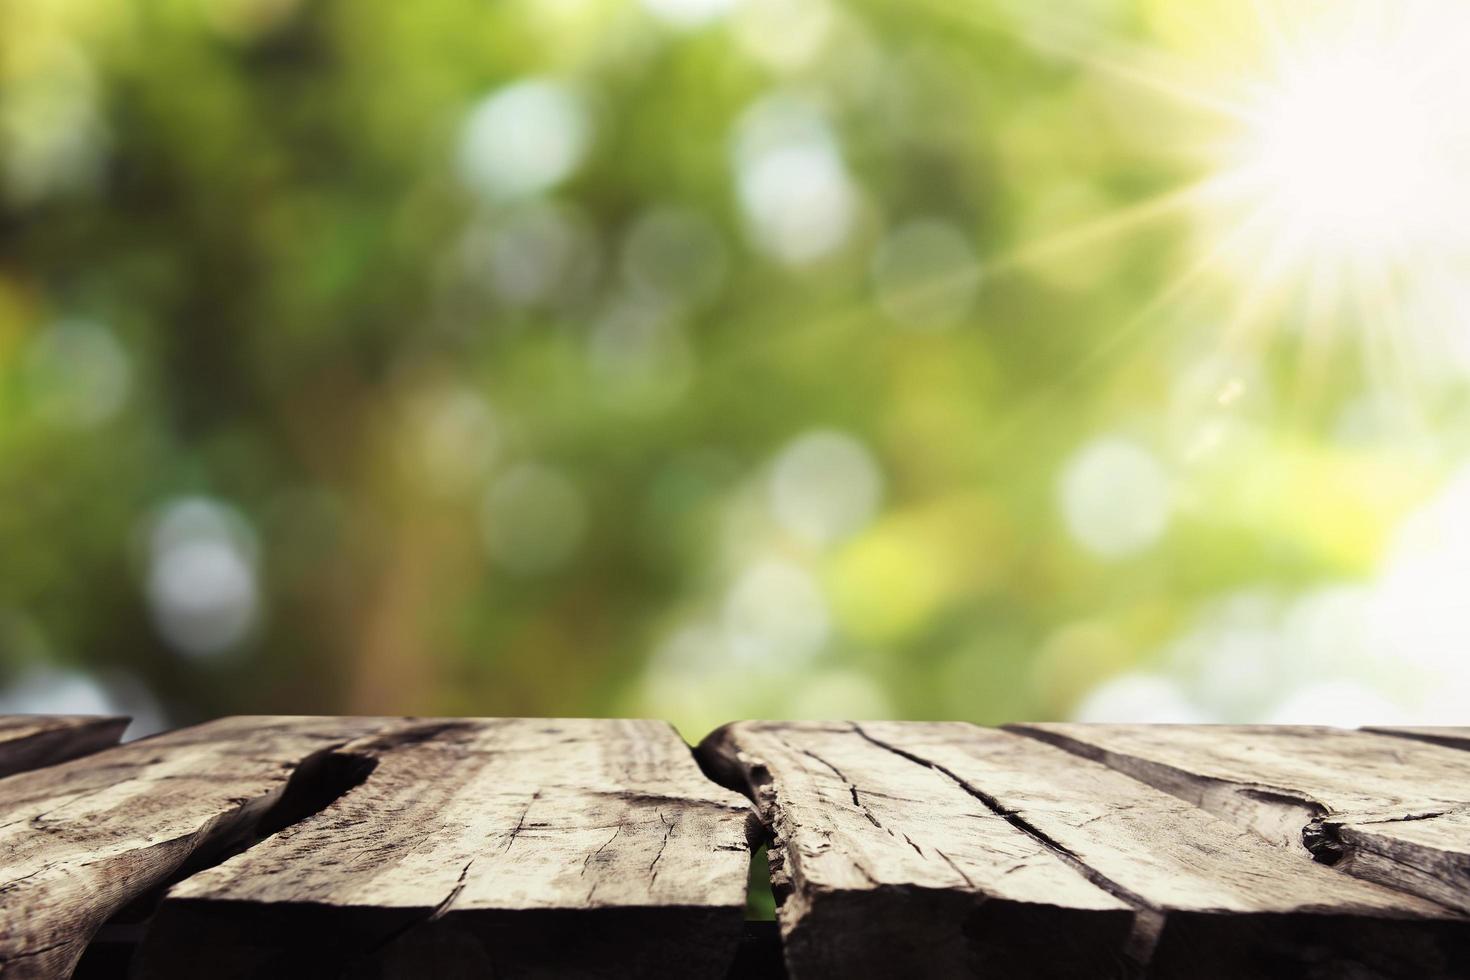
[1141, 67]
[1171, 293]
[1129, 218]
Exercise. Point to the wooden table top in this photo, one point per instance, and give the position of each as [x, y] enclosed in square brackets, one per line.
[288, 847]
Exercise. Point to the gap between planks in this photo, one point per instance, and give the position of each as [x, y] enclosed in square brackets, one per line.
[294, 791]
[371, 847]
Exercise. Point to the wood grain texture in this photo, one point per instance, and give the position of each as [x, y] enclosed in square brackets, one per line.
[80, 840]
[887, 868]
[33, 741]
[893, 842]
[1383, 808]
[1213, 898]
[496, 847]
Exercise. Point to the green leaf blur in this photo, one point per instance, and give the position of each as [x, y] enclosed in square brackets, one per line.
[695, 360]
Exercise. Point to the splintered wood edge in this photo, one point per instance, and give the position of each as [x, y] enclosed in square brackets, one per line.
[885, 922]
[1383, 928]
[1220, 888]
[1418, 850]
[36, 741]
[70, 876]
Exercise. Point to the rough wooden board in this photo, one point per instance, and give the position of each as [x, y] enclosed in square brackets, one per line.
[499, 847]
[80, 840]
[1214, 898]
[1388, 809]
[885, 868]
[33, 741]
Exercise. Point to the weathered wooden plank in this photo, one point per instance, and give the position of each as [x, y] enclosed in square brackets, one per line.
[886, 868]
[498, 847]
[80, 840]
[881, 810]
[1387, 809]
[1214, 899]
[33, 741]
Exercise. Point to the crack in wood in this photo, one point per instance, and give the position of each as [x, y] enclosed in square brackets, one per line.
[851, 787]
[634, 796]
[1284, 804]
[454, 893]
[461, 844]
[1015, 820]
[1384, 806]
[588, 860]
[970, 882]
[849, 903]
[662, 846]
[31, 952]
[521, 823]
[91, 858]
[508, 849]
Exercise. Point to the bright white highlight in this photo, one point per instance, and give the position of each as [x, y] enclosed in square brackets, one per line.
[799, 202]
[1340, 703]
[57, 691]
[837, 695]
[1337, 200]
[775, 613]
[53, 132]
[1139, 699]
[523, 139]
[202, 586]
[784, 35]
[1339, 148]
[688, 13]
[1356, 150]
[824, 487]
[1115, 498]
[1417, 609]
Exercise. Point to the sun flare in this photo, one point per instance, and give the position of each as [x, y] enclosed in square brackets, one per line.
[1347, 156]
[1357, 147]
[1338, 192]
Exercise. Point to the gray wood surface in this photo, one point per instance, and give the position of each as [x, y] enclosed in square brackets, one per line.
[886, 868]
[1384, 808]
[33, 741]
[396, 848]
[80, 840]
[854, 810]
[498, 847]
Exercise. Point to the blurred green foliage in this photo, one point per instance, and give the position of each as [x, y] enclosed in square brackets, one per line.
[696, 360]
